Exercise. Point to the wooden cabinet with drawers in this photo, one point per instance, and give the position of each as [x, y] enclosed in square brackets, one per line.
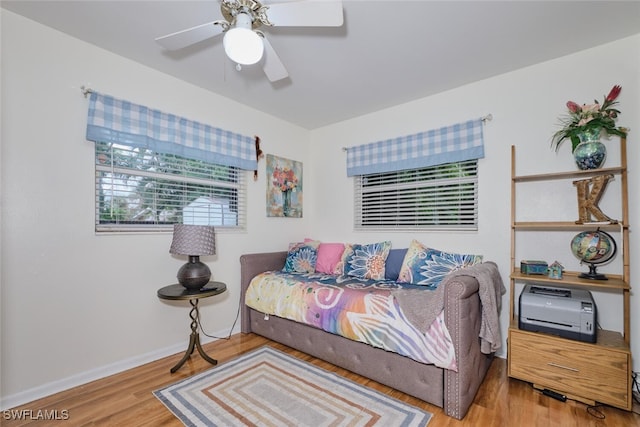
[598, 372]
[581, 371]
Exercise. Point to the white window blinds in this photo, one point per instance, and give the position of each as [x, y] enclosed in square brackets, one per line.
[142, 190]
[441, 197]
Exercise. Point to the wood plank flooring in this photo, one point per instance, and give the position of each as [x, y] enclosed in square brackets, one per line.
[126, 399]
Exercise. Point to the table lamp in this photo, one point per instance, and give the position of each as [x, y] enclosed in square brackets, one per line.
[193, 241]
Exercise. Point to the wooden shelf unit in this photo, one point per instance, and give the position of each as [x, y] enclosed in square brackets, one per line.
[599, 372]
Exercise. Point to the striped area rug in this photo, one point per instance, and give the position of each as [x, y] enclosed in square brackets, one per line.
[269, 388]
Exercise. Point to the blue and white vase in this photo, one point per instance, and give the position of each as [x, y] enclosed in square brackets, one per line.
[590, 153]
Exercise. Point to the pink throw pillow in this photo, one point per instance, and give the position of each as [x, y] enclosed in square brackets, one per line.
[328, 256]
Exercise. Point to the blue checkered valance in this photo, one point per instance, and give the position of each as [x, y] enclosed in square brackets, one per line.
[122, 122]
[456, 143]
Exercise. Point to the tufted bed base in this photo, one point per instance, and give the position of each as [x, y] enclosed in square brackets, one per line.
[452, 391]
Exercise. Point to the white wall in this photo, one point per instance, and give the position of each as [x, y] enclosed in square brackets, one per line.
[525, 105]
[76, 306]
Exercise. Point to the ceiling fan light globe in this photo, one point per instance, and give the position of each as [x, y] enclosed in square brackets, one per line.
[243, 46]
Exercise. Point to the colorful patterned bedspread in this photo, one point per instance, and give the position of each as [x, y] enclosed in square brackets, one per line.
[359, 309]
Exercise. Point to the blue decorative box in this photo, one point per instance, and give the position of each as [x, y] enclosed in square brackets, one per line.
[533, 267]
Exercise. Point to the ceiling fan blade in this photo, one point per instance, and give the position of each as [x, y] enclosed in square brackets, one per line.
[190, 36]
[272, 65]
[306, 14]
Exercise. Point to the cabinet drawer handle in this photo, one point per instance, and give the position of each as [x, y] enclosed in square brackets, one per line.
[555, 365]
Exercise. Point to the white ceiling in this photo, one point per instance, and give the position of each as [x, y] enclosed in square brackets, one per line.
[386, 53]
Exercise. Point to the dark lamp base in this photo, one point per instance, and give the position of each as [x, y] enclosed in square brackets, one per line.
[194, 274]
[593, 274]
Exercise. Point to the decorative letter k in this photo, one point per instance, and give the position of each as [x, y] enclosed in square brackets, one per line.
[588, 199]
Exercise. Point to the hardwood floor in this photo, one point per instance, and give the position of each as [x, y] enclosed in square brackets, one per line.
[125, 399]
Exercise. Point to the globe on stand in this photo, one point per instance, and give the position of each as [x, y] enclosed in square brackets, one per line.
[593, 248]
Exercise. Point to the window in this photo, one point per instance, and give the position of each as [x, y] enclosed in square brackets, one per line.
[155, 169]
[442, 197]
[141, 190]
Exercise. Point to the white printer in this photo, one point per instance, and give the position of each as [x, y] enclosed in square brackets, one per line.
[569, 313]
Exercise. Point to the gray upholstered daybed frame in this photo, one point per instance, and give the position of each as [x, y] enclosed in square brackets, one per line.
[452, 391]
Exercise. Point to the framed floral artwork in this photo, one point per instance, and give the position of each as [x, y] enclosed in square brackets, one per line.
[284, 187]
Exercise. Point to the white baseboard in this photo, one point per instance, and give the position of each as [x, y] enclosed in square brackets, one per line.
[98, 373]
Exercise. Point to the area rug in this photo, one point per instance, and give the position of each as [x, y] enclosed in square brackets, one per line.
[269, 388]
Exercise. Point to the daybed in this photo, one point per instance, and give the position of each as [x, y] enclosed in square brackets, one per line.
[454, 391]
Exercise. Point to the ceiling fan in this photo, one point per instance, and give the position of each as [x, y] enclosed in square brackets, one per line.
[244, 43]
